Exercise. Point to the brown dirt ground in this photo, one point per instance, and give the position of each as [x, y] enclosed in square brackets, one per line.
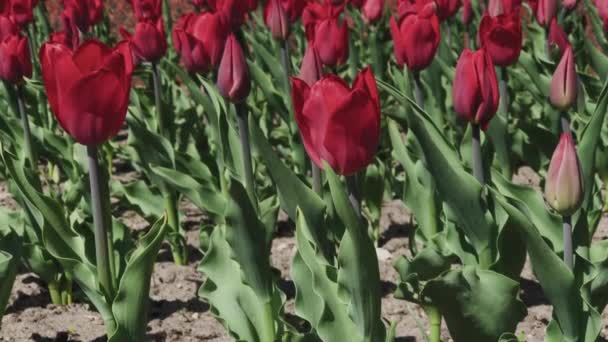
[177, 314]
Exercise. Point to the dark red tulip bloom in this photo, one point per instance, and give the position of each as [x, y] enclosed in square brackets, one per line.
[147, 9]
[83, 13]
[233, 11]
[557, 37]
[544, 10]
[21, 11]
[15, 59]
[199, 39]
[447, 8]
[499, 7]
[66, 38]
[501, 37]
[149, 42]
[7, 27]
[312, 68]
[475, 89]
[233, 80]
[416, 35]
[339, 124]
[88, 89]
[276, 19]
[370, 9]
[327, 32]
[467, 12]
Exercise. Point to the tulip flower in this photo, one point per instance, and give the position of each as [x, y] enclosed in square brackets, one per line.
[557, 37]
[371, 9]
[15, 60]
[475, 91]
[199, 39]
[7, 27]
[312, 68]
[339, 124]
[276, 19]
[501, 37]
[564, 185]
[149, 42]
[88, 89]
[564, 84]
[329, 35]
[416, 35]
[569, 4]
[233, 75]
[446, 8]
[544, 10]
[467, 12]
[21, 11]
[499, 7]
[83, 13]
[147, 9]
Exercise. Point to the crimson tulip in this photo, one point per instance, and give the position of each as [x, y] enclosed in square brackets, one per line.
[328, 34]
[7, 27]
[147, 9]
[149, 42]
[83, 13]
[499, 7]
[312, 68]
[65, 38]
[475, 91]
[416, 35]
[557, 37]
[544, 10]
[15, 59]
[339, 124]
[564, 84]
[293, 9]
[501, 36]
[233, 75]
[467, 12]
[370, 9]
[88, 89]
[21, 11]
[276, 19]
[446, 8]
[564, 186]
[199, 39]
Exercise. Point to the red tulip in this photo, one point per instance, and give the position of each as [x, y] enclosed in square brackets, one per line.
[147, 9]
[544, 10]
[564, 185]
[370, 9]
[15, 59]
[293, 8]
[88, 89]
[200, 39]
[467, 12]
[557, 37]
[475, 90]
[65, 38]
[22, 11]
[339, 124]
[233, 75]
[276, 19]
[447, 8]
[330, 36]
[416, 35]
[501, 37]
[7, 27]
[564, 84]
[569, 4]
[498, 7]
[149, 42]
[312, 68]
[83, 13]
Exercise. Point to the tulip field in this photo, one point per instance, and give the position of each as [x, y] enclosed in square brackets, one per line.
[304, 170]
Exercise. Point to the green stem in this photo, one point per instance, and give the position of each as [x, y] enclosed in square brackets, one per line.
[27, 135]
[353, 64]
[268, 331]
[178, 249]
[101, 226]
[418, 96]
[162, 121]
[476, 154]
[567, 231]
[242, 116]
[565, 123]
[317, 181]
[377, 62]
[435, 322]
[504, 92]
[353, 193]
[54, 292]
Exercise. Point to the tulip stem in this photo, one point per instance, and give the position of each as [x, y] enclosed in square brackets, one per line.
[503, 88]
[418, 90]
[317, 182]
[242, 115]
[448, 32]
[158, 102]
[27, 135]
[476, 154]
[564, 122]
[567, 230]
[375, 51]
[434, 317]
[353, 193]
[101, 226]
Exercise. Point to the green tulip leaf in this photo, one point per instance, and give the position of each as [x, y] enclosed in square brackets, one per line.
[10, 253]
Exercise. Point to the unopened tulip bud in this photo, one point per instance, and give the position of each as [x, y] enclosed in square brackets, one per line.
[312, 68]
[564, 185]
[496, 8]
[564, 84]
[233, 75]
[276, 19]
[558, 40]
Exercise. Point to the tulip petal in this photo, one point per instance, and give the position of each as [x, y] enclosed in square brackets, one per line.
[90, 55]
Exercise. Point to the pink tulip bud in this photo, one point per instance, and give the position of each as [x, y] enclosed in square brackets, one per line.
[569, 4]
[564, 84]
[564, 186]
[276, 19]
[233, 76]
[312, 68]
[495, 8]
